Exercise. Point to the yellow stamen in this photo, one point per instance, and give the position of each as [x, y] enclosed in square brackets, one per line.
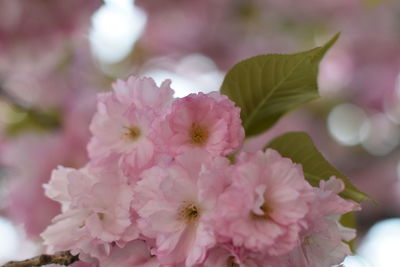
[189, 212]
[132, 133]
[198, 134]
[101, 216]
[267, 211]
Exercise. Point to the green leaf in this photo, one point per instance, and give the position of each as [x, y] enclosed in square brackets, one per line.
[266, 87]
[299, 147]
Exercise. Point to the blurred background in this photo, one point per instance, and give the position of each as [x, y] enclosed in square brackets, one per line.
[56, 55]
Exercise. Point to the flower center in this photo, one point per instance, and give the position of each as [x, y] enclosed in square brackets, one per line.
[307, 241]
[189, 212]
[198, 134]
[231, 262]
[266, 212]
[101, 216]
[132, 133]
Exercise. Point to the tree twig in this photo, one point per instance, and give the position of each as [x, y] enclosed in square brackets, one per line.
[62, 258]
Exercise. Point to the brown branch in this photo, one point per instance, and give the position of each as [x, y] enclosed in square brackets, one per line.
[63, 258]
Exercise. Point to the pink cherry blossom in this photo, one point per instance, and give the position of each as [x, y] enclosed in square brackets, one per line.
[96, 210]
[322, 242]
[158, 191]
[174, 202]
[126, 120]
[144, 94]
[264, 208]
[209, 121]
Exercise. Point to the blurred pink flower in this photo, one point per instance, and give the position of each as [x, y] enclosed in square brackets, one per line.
[30, 159]
[29, 28]
[31, 156]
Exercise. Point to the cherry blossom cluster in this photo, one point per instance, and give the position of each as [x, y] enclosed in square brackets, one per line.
[167, 185]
